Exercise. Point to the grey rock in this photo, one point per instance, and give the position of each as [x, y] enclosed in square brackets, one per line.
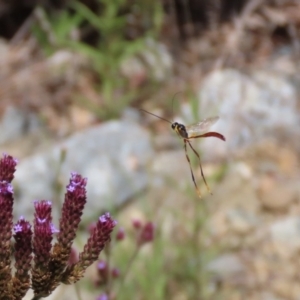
[15, 122]
[241, 221]
[251, 107]
[269, 296]
[286, 233]
[113, 157]
[226, 265]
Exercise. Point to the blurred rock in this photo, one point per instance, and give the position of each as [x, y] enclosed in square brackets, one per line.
[218, 225]
[112, 156]
[241, 221]
[15, 122]
[282, 288]
[237, 189]
[286, 236]
[260, 268]
[269, 296]
[226, 265]
[275, 159]
[167, 164]
[252, 108]
[277, 194]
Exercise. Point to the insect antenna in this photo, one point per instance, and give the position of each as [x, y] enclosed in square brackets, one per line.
[148, 112]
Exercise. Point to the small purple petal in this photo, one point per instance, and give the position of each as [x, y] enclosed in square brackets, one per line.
[6, 188]
[53, 229]
[71, 188]
[41, 221]
[18, 228]
[101, 265]
[102, 219]
[103, 297]
[10, 189]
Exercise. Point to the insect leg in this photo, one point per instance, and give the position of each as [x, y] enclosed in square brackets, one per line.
[202, 173]
[193, 177]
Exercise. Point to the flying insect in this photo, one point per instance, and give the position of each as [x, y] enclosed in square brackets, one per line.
[188, 133]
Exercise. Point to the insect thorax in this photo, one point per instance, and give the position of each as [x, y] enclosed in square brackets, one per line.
[180, 129]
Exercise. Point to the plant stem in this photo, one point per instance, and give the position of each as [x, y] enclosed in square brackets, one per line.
[130, 262]
[198, 249]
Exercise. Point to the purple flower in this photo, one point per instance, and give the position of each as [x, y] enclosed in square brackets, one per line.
[53, 229]
[75, 200]
[102, 269]
[137, 224]
[51, 265]
[102, 297]
[23, 257]
[146, 234]
[95, 244]
[43, 233]
[6, 224]
[120, 234]
[7, 167]
[115, 272]
[6, 187]
[43, 210]
[102, 265]
[99, 237]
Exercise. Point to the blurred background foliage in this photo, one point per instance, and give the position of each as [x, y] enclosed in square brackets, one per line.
[115, 37]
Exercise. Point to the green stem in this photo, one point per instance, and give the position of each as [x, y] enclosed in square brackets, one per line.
[123, 278]
[77, 290]
[108, 257]
[198, 249]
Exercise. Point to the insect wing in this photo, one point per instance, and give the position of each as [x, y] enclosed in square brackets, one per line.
[198, 128]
